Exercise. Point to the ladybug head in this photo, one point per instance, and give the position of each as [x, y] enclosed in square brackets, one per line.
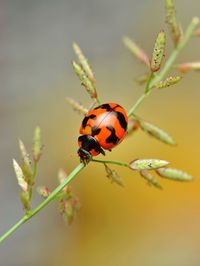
[89, 147]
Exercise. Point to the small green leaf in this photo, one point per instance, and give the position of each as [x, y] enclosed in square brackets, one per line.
[84, 62]
[167, 82]
[136, 50]
[147, 164]
[25, 200]
[77, 106]
[37, 147]
[174, 174]
[150, 179]
[156, 132]
[85, 81]
[113, 176]
[158, 52]
[171, 19]
[20, 176]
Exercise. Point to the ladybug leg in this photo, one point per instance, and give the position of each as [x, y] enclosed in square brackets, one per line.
[100, 150]
[85, 156]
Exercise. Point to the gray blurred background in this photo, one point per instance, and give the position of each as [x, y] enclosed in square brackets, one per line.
[133, 226]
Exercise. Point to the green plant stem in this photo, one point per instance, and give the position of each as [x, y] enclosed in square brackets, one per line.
[98, 101]
[34, 170]
[137, 104]
[168, 65]
[33, 179]
[110, 162]
[51, 197]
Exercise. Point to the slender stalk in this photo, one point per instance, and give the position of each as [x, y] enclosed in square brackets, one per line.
[34, 170]
[52, 196]
[168, 65]
[98, 101]
[137, 104]
[110, 162]
[33, 179]
[13, 229]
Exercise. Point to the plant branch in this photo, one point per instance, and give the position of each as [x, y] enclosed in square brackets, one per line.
[51, 197]
[110, 162]
[168, 65]
[33, 179]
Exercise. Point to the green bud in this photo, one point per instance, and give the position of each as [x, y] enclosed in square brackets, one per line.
[84, 62]
[26, 167]
[113, 176]
[171, 19]
[43, 191]
[174, 174]
[77, 106]
[136, 50]
[156, 132]
[147, 164]
[37, 147]
[150, 179]
[85, 81]
[158, 52]
[25, 200]
[167, 82]
[185, 67]
[20, 176]
[62, 176]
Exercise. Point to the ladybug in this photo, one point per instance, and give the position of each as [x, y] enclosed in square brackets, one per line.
[102, 128]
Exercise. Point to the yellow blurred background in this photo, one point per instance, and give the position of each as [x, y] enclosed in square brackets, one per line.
[134, 225]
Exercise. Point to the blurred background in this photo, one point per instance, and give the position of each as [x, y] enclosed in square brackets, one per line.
[134, 225]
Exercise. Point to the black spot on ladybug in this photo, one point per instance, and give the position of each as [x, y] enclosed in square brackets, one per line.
[95, 130]
[106, 106]
[85, 120]
[121, 119]
[112, 138]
